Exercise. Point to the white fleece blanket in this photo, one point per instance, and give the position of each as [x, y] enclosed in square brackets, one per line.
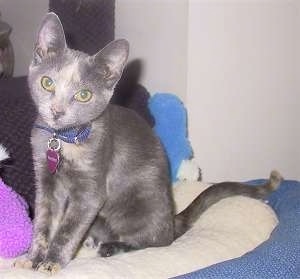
[227, 230]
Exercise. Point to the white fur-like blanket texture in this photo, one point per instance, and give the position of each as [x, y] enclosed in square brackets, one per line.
[227, 230]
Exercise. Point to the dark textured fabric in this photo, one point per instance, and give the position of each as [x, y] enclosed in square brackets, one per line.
[17, 115]
[129, 93]
[88, 24]
[136, 99]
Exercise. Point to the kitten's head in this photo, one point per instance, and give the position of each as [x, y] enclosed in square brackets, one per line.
[69, 87]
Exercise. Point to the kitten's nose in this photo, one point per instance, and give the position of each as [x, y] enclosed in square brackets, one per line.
[57, 110]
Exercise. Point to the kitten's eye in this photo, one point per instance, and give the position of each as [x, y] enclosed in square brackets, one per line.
[48, 84]
[83, 96]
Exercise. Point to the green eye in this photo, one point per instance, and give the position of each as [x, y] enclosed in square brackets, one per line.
[83, 96]
[48, 84]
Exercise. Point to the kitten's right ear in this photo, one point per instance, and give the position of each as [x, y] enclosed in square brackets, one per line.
[51, 38]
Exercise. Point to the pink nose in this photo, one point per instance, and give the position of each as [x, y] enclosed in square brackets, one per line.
[57, 110]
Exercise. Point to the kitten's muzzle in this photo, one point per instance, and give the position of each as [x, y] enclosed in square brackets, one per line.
[57, 111]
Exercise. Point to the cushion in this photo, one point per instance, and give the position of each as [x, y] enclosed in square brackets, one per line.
[279, 257]
[227, 230]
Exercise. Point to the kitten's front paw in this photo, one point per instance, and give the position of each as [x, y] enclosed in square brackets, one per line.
[90, 243]
[49, 268]
[23, 263]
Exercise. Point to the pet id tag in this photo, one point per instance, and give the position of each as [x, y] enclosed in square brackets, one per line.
[53, 156]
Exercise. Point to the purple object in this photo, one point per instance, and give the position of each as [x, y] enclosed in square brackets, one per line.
[15, 224]
[52, 160]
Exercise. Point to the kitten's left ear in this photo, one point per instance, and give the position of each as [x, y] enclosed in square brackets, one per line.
[111, 60]
[51, 38]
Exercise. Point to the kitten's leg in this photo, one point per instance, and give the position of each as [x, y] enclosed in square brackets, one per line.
[140, 240]
[41, 224]
[40, 241]
[99, 232]
[43, 215]
[109, 249]
[145, 237]
[69, 235]
[101, 235]
[139, 224]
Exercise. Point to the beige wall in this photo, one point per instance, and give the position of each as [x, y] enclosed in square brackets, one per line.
[243, 87]
[157, 30]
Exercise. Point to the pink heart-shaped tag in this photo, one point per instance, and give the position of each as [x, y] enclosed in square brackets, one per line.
[52, 160]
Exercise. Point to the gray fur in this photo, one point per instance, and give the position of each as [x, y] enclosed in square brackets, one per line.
[185, 219]
[114, 188]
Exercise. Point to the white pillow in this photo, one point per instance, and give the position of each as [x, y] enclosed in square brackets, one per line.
[227, 230]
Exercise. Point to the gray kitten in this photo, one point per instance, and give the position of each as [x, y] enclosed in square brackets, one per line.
[109, 182]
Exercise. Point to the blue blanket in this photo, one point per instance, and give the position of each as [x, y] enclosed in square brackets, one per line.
[276, 258]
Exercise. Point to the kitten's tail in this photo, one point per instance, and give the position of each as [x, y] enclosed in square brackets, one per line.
[185, 219]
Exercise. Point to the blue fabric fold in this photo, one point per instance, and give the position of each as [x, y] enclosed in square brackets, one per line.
[276, 258]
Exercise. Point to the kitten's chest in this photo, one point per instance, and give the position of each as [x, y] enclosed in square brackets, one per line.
[67, 158]
[77, 157]
[72, 167]
[75, 154]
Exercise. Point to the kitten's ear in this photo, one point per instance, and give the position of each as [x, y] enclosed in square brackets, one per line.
[51, 38]
[111, 60]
